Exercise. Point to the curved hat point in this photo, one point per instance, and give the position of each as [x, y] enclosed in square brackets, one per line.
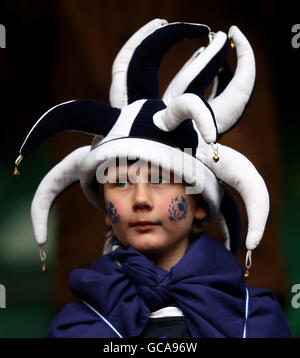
[38, 123]
[88, 116]
[229, 106]
[187, 106]
[194, 66]
[143, 69]
[56, 181]
[237, 171]
[118, 88]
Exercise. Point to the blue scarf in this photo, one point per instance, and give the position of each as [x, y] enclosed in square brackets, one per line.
[207, 284]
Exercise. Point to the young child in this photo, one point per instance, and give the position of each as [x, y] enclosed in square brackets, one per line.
[160, 169]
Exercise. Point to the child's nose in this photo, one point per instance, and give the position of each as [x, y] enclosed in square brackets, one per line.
[142, 199]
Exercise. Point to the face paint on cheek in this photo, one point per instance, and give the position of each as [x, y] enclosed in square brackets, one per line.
[112, 212]
[177, 209]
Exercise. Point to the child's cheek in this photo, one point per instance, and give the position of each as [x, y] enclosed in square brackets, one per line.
[113, 212]
[177, 208]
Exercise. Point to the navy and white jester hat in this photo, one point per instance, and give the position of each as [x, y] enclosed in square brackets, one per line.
[139, 124]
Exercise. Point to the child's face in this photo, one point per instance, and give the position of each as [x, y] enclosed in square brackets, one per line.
[152, 218]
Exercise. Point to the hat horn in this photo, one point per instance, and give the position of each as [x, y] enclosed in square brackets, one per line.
[230, 105]
[238, 172]
[88, 116]
[142, 74]
[118, 89]
[231, 94]
[199, 71]
[60, 177]
[188, 106]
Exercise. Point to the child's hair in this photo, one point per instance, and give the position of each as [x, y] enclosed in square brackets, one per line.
[198, 225]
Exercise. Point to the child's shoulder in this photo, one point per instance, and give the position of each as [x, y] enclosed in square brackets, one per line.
[79, 320]
[265, 315]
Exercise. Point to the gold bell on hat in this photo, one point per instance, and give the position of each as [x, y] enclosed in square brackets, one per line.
[43, 257]
[17, 162]
[16, 171]
[216, 153]
[248, 263]
[216, 158]
[246, 274]
[44, 267]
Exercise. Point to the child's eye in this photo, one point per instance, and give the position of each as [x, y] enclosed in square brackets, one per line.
[162, 180]
[121, 185]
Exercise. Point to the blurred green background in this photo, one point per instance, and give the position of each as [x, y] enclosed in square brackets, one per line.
[28, 89]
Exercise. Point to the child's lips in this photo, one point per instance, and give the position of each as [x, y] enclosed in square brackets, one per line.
[144, 225]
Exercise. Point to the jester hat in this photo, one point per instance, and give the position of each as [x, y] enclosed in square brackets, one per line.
[139, 123]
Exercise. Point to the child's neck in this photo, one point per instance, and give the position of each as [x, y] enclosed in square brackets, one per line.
[169, 258]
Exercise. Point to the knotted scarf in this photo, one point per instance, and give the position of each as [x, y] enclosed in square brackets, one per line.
[207, 284]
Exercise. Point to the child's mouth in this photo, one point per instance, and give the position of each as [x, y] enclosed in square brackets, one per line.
[144, 225]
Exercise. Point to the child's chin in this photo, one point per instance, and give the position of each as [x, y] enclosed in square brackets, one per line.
[148, 244]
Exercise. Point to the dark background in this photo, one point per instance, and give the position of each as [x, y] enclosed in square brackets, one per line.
[61, 50]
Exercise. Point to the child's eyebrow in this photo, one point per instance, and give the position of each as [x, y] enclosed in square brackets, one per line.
[153, 172]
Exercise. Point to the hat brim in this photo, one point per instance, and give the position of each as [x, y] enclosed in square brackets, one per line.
[184, 166]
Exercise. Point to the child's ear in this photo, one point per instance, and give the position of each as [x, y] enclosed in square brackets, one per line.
[107, 220]
[200, 213]
[201, 208]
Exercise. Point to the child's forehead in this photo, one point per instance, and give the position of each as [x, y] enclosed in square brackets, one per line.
[124, 165]
[123, 170]
[134, 171]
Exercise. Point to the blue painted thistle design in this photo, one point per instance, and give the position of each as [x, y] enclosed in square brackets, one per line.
[177, 209]
[112, 212]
